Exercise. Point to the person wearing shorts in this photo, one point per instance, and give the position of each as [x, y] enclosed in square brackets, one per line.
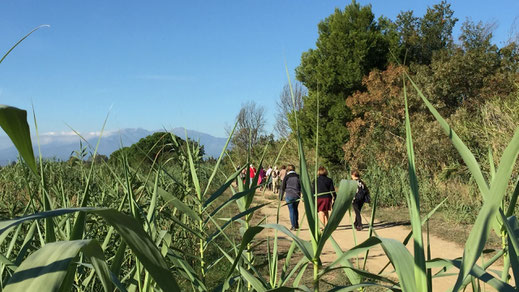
[325, 194]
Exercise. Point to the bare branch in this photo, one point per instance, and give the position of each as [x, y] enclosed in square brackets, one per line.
[285, 107]
[251, 125]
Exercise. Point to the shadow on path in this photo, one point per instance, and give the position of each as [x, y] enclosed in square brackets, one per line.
[377, 225]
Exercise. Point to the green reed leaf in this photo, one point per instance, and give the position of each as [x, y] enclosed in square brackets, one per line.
[21, 40]
[132, 233]
[14, 122]
[414, 205]
[397, 253]
[45, 269]
[463, 150]
[480, 231]
[476, 271]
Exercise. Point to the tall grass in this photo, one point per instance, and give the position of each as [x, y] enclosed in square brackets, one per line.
[120, 228]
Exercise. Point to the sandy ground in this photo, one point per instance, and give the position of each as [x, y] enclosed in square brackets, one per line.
[377, 258]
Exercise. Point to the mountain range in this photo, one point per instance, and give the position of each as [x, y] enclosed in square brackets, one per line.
[60, 145]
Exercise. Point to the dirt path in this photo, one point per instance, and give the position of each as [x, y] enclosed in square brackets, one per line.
[377, 258]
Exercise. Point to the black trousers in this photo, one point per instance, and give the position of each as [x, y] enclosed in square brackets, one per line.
[357, 206]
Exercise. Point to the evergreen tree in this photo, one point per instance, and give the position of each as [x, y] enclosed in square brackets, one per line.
[349, 46]
[436, 30]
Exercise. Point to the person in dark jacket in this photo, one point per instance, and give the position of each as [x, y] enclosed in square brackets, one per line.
[325, 194]
[360, 198]
[291, 190]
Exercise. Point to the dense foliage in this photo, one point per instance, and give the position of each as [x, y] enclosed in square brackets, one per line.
[356, 72]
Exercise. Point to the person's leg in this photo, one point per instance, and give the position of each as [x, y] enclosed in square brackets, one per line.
[358, 221]
[326, 217]
[327, 209]
[296, 214]
[291, 214]
[360, 215]
[323, 217]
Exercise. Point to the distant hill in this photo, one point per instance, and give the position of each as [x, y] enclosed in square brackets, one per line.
[212, 145]
[61, 145]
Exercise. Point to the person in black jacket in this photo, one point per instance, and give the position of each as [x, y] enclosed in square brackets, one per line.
[291, 190]
[325, 194]
[361, 197]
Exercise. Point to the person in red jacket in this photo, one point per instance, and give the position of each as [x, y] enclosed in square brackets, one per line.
[252, 173]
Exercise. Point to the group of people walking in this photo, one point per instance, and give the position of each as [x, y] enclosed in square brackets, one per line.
[290, 190]
[276, 176]
[285, 181]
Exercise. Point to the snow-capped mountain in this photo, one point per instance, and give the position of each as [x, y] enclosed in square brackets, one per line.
[60, 145]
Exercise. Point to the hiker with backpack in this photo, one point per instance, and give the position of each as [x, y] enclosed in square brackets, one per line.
[361, 196]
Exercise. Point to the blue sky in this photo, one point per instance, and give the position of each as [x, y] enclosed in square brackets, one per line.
[168, 64]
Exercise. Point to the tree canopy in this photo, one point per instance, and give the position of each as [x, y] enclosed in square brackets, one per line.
[353, 44]
[349, 46]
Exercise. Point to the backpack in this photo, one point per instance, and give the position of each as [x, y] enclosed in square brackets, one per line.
[362, 194]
